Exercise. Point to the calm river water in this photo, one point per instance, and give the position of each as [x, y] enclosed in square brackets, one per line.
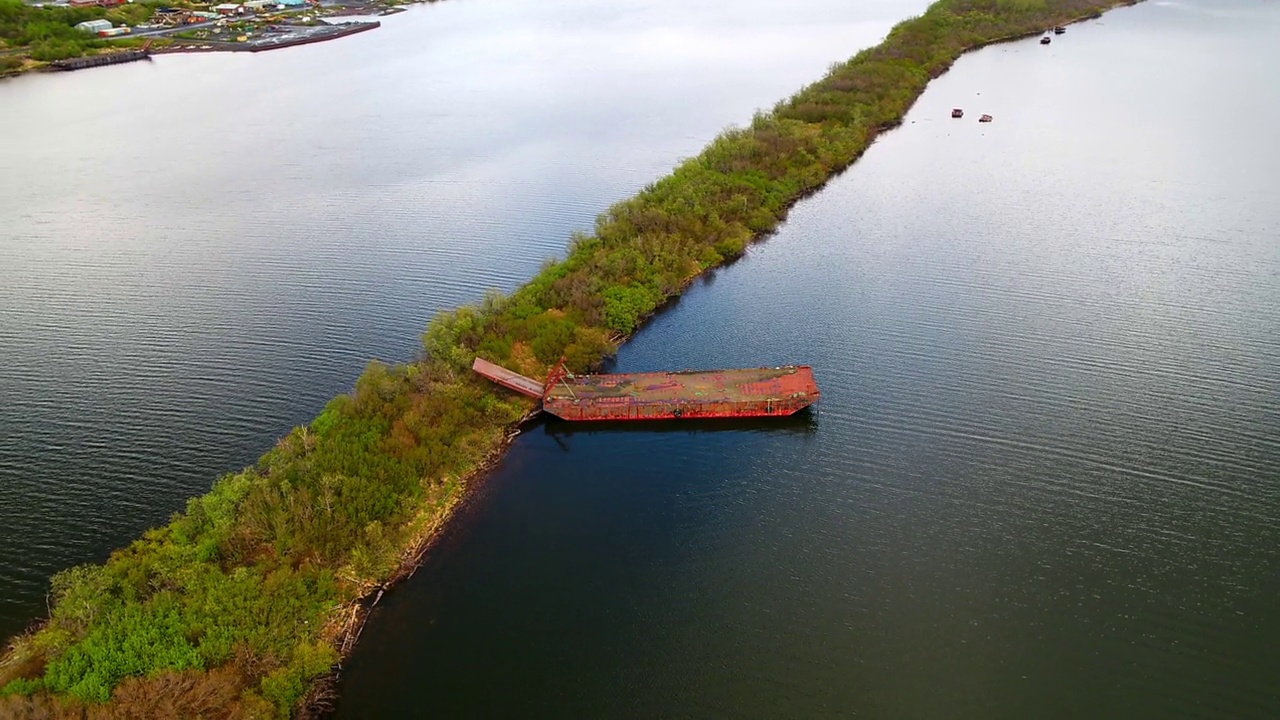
[197, 253]
[1045, 481]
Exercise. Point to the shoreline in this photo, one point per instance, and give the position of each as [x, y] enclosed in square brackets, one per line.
[831, 131]
[140, 47]
[319, 700]
[323, 34]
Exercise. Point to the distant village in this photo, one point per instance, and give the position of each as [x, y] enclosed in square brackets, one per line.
[252, 25]
[172, 18]
[80, 34]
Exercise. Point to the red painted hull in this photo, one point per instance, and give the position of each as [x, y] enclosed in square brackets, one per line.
[676, 411]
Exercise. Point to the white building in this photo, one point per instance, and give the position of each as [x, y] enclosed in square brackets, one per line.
[94, 26]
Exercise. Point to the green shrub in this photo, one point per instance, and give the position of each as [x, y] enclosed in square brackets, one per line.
[286, 686]
[23, 686]
[133, 639]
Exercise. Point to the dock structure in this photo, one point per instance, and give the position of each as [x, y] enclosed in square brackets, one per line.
[91, 61]
[738, 393]
[292, 36]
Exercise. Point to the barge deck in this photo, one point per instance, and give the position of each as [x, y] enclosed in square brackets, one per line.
[737, 393]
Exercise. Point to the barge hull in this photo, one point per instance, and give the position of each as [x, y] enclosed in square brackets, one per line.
[675, 411]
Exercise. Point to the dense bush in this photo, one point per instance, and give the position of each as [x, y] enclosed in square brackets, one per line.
[250, 583]
[48, 33]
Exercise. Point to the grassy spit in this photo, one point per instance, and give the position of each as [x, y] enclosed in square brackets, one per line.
[254, 592]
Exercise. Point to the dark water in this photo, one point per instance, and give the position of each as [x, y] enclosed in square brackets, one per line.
[1045, 482]
[197, 253]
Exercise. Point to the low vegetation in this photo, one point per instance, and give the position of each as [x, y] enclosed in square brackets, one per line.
[235, 606]
[48, 33]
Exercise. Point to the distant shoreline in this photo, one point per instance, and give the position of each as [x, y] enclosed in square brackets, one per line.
[280, 34]
[339, 31]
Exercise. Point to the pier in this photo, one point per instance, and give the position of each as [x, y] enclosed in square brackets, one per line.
[90, 61]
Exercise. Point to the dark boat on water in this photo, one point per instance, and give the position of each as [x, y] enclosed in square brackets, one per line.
[740, 393]
[1059, 30]
[1045, 40]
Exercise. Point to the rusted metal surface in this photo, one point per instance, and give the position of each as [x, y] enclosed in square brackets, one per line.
[508, 379]
[753, 392]
[749, 392]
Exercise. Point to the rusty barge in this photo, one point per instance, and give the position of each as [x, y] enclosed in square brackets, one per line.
[742, 393]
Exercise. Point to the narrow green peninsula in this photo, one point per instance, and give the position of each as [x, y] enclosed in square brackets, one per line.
[247, 599]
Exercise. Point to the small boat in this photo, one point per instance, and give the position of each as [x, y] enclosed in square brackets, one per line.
[985, 118]
[1045, 40]
[1059, 30]
[957, 113]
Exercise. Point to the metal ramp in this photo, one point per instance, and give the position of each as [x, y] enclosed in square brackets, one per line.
[508, 379]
